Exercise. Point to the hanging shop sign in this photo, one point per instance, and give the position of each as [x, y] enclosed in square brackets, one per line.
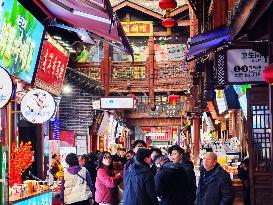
[38, 106]
[117, 103]
[212, 110]
[159, 136]
[221, 101]
[52, 66]
[138, 28]
[245, 65]
[5, 87]
[20, 38]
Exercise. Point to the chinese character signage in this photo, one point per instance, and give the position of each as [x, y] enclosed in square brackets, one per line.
[138, 28]
[245, 65]
[20, 38]
[38, 106]
[52, 66]
[5, 87]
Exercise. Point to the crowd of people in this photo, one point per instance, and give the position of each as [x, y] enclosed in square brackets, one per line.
[144, 177]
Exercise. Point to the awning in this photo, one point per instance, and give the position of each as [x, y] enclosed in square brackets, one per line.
[94, 16]
[207, 42]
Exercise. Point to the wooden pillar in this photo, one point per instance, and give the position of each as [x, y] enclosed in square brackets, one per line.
[106, 68]
[220, 13]
[151, 67]
[196, 139]
[270, 57]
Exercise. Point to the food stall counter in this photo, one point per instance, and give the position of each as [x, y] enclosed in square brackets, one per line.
[38, 198]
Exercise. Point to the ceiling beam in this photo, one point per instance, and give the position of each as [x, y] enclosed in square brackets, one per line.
[183, 22]
[138, 8]
[179, 10]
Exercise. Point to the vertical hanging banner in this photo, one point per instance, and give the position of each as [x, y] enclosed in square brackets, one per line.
[52, 66]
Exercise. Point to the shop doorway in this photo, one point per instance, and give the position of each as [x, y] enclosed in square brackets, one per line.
[260, 146]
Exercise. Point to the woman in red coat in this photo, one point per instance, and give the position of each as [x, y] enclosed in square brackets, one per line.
[106, 181]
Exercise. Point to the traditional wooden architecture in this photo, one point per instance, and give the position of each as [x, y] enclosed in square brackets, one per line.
[158, 69]
[249, 25]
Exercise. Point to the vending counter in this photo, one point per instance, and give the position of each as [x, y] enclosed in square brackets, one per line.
[38, 198]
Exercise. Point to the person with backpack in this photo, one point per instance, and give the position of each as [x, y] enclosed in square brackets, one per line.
[76, 184]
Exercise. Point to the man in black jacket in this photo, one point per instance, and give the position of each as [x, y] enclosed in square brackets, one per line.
[171, 184]
[215, 186]
[175, 154]
[138, 181]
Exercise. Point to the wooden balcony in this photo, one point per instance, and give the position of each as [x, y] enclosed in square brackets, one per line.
[126, 78]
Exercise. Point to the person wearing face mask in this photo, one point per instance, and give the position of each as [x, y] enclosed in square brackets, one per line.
[139, 188]
[214, 186]
[107, 182]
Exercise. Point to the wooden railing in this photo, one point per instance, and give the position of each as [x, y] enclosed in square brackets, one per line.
[128, 77]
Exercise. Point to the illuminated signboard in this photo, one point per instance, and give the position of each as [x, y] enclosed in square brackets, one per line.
[5, 87]
[52, 66]
[245, 65]
[221, 101]
[117, 103]
[20, 38]
[38, 106]
[138, 28]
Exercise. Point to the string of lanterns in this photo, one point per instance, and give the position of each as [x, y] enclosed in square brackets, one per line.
[168, 22]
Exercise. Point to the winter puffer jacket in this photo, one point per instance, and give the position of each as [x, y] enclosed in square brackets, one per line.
[139, 185]
[215, 189]
[171, 184]
[107, 186]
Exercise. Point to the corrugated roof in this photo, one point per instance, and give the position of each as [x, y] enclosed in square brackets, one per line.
[149, 4]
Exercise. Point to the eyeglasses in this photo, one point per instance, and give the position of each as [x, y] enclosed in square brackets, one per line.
[106, 157]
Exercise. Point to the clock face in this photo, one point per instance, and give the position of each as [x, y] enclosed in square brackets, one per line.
[5, 87]
[38, 106]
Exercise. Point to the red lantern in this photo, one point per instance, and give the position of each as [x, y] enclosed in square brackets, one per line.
[173, 99]
[268, 74]
[167, 4]
[168, 22]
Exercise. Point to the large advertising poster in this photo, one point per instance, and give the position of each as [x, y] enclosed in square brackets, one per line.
[20, 37]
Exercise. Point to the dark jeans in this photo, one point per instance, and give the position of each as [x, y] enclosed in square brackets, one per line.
[86, 202]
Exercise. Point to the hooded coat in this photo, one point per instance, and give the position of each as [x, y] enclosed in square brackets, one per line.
[171, 184]
[215, 188]
[139, 185]
[75, 170]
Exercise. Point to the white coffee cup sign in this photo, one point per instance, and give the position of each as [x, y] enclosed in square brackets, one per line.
[5, 87]
[38, 106]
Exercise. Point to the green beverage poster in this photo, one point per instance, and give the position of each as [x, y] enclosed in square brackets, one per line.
[20, 38]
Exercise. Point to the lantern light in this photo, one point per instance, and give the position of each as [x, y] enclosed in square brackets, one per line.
[268, 74]
[168, 22]
[167, 4]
